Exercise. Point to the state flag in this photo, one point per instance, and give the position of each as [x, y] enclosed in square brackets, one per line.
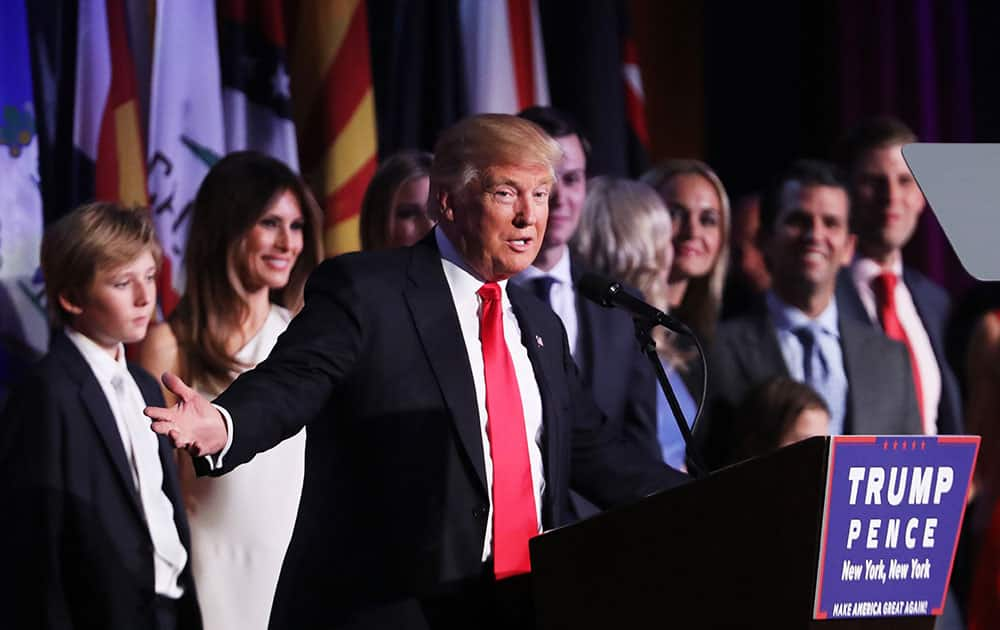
[23, 325]
[256, 87]
[186, 133]
[505, 60]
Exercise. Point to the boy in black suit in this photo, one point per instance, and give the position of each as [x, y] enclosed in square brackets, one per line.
[95, 531]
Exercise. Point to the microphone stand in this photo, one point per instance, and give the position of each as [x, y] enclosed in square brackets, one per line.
[643, 330]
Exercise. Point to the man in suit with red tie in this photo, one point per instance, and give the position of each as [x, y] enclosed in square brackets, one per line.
[799, 331]
[878, 288]
[445, 417]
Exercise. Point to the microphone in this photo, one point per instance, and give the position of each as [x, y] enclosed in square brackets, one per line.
[609, 294]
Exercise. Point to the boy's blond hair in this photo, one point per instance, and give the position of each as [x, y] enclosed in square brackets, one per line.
[95, 236]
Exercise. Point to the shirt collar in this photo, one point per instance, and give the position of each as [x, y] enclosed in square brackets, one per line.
[788, 318]
[463, 281]
[104, 367]
[561, 271]
[864, 270]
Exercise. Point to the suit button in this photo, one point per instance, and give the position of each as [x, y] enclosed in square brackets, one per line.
[481, 511]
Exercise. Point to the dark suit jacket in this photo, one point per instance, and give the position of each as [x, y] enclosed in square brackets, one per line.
[934, 308]
[394, 505]
[614, 369]
[77, 549]
[880, 395]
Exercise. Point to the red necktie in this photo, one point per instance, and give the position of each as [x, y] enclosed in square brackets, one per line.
[884, 286]
[514, 516]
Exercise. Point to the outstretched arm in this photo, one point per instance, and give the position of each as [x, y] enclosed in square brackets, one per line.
[285, 392]
[192, 423]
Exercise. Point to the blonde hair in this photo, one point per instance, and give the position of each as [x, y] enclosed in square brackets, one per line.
[467, 149]
[93, 237]
[702, 300]
[623, 230]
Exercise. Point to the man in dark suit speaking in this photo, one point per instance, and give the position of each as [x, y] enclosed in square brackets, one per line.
[445, 417]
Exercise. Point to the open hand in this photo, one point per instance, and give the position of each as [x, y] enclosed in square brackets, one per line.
[192, 423]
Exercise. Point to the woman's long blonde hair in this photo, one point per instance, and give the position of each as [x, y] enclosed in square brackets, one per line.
[702, 300]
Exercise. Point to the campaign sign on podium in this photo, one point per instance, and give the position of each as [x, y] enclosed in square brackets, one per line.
[894, 509]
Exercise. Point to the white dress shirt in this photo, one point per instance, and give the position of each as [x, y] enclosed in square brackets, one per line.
[463, 284]
[143, 454]
[863, 272]
[562, 296]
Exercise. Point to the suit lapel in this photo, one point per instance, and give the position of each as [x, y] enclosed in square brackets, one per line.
[861, 404]
[99, 411]
[848, 301]
[433, 311]
[586, 343]
[929, 316]
[761, 353]
[551, 420]
[933, 316]
[586, 314]
[171, 484]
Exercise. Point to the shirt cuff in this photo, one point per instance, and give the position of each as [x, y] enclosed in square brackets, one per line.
[215, 461]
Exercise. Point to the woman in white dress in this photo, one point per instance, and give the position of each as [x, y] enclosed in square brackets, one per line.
[254, 239]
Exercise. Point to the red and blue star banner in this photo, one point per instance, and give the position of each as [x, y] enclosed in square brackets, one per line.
[185, 127]
[256, 86]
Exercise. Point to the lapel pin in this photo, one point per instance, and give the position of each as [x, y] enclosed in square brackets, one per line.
[538, 340]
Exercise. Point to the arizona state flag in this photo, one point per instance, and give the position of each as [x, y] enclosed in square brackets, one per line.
[106, 115]
[334, 110]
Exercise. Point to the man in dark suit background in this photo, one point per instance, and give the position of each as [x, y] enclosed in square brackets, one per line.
[409, 506]
[800, 332]
[887, 204]
[602, 341]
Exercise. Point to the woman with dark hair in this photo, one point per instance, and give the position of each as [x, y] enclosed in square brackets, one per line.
[777, 413]
[394, 209]
[255, 237]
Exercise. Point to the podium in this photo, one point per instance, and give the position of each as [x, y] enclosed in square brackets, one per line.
[737, 549]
